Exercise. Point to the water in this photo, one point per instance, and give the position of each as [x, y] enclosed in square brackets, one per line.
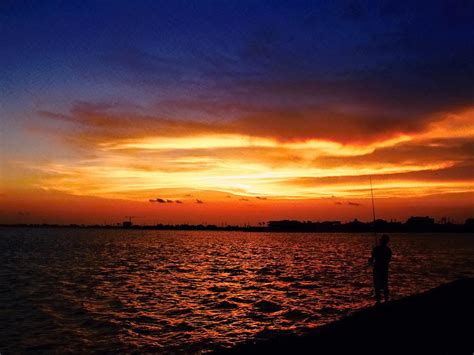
[114, 290]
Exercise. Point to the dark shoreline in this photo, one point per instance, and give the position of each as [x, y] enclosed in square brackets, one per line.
[300, 227]
[438, 321]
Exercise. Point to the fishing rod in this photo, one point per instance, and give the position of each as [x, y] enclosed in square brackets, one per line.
[373, 209]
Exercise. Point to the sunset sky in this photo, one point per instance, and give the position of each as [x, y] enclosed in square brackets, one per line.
[235, 111]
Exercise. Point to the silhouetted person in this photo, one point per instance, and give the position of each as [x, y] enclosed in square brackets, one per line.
[380, 259]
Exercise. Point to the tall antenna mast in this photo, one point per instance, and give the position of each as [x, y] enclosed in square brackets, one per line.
[373, 209]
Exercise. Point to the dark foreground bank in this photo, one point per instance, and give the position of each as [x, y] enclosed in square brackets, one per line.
[439, 321]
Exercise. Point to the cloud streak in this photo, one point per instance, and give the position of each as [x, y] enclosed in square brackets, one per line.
[162, 200]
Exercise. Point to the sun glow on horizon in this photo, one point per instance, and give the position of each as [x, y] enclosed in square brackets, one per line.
[257, 166]
[247, 166]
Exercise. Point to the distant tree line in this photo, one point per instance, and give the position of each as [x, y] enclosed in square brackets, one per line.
[414, 224]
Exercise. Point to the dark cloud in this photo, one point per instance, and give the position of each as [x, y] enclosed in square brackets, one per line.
[199, 201]
[434, 151]
[388, 79]
[461, 172]
[99, 122]
[285, 125]
[161, 200]
[375, 70]
[407, 57]
[317, 123]
[353, 204]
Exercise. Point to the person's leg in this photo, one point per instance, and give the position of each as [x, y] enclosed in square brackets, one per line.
[386, 292]
[377, 288]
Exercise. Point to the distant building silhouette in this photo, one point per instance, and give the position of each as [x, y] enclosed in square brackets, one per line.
[356, 226]
[413, 224]
[421, 224]
[420, 221]
[127, 224]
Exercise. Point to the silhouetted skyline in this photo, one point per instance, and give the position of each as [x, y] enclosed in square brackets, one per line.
[413, 224]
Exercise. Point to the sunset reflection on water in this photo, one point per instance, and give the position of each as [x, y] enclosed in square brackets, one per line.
[190, 291]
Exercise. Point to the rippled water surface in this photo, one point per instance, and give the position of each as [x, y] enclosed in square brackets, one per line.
[167, 291]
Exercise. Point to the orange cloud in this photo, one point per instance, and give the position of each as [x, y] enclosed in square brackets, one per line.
[134, 157]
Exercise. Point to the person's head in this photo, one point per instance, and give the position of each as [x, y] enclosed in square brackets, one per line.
[384, 239]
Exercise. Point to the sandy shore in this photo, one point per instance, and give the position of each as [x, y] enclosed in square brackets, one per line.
[439, 321]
